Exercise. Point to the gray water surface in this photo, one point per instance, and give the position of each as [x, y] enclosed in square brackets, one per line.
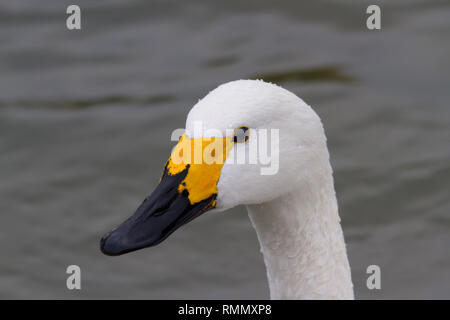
[86, 117]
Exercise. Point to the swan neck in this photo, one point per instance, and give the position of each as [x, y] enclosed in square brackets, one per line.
[302, 243]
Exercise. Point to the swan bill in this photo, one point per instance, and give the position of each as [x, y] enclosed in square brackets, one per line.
[186, 190]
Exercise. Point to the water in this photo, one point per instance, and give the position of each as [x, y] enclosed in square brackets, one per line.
[85, 119]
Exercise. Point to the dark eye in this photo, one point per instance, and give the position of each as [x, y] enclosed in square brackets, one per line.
[241, 135]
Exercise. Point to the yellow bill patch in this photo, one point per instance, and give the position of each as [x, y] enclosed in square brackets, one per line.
[205, 157]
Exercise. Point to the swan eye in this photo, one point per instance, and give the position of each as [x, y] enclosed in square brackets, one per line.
[241, 135]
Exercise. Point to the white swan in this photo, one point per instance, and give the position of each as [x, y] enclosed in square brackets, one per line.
[294, 211]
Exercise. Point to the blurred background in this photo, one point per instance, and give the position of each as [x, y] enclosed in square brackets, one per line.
[86, 118]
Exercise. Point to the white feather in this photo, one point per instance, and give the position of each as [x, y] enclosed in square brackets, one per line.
[295, 211]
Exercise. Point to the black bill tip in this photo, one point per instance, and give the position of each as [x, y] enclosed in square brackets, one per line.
[109, 245]
[164, 211]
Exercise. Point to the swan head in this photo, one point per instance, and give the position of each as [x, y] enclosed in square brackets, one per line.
[246, 142]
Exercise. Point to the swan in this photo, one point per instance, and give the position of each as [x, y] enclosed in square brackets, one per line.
[293, 208]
